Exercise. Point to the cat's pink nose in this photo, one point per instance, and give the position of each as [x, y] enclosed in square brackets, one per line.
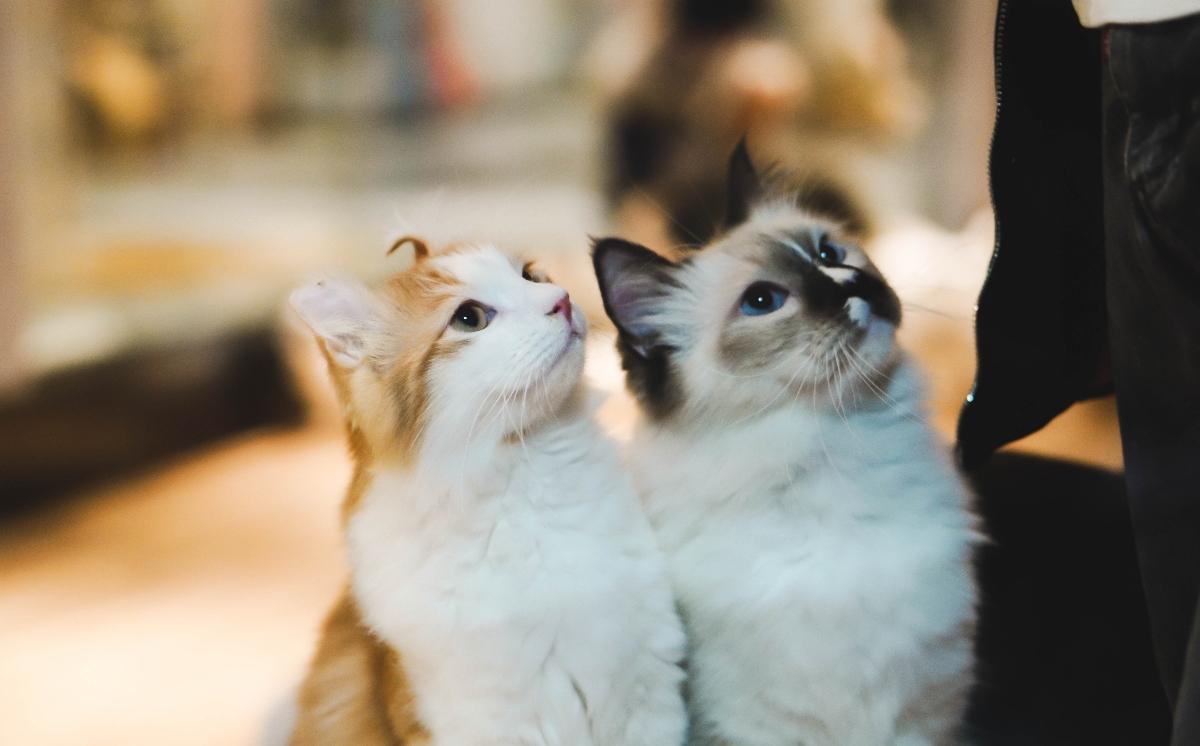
[563, 306]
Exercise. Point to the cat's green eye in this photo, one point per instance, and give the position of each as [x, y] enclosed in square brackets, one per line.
[471, 317]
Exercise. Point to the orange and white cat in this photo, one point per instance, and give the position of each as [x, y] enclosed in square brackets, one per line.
[505, 586]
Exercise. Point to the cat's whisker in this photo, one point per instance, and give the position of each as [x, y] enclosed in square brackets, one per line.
[664, 213]
[471, 432]
[844, 352]
[902, 408]
[911, 306]
[802, 338]
[868, 377]
[768, 404]
[523, 412]
[873, 368]
[518, 396]
[497, 400]
[868, 380]
[820, 337]
[492, 399]
[839, 406]
[821, 436]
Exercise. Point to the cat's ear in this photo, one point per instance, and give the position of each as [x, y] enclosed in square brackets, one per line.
[339, 312]
[420, 248]
[744, 186]
[633, 281]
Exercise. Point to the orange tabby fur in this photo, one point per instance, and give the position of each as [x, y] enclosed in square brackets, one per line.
[355, 691]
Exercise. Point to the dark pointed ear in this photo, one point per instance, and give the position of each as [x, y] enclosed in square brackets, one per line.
[633, 281]
[744, 187]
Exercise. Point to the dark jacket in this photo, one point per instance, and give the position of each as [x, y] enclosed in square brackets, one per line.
[1094, 286]
[1041, 327]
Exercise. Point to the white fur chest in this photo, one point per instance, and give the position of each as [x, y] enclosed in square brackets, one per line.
[527, 614]
[827, 588]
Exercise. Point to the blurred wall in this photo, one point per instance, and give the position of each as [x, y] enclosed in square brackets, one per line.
[969, 105]
[13, 186]
[33, 188]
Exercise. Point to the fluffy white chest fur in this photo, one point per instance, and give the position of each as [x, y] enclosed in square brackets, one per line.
[530, 602]
[822, 564]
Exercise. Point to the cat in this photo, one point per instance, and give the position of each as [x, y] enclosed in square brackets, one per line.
[505, 585]
[819, 538]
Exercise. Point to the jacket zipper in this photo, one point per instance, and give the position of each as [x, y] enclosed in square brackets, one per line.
[998, 60]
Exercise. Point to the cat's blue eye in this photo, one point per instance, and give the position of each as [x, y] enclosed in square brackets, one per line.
[762, 298]
[830, 254]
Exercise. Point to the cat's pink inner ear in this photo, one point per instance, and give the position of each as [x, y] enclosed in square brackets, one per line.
[338, 312]
[632, 280]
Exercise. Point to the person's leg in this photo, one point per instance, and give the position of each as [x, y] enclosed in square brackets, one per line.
[1187, 710]
[1152, 226]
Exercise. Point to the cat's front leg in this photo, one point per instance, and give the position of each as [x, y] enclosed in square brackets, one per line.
[934, 732]
[657, 714]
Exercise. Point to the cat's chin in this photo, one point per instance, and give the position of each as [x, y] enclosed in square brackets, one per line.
[877, 342]
[868, 372]
[861, 371]
[572, 348]
[562, 376]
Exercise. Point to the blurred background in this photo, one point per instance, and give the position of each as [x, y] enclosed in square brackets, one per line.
[170, 463]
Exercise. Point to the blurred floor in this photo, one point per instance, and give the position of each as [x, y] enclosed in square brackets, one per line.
[175, 608]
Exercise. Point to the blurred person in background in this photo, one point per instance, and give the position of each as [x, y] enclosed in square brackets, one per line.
[810, 84]
[1095, 281]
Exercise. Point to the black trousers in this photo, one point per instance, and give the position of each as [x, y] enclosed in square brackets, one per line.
[1151, 162]
[1095, 288]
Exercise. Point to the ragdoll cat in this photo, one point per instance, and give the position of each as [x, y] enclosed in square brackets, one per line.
[819, 539]
[505, 585]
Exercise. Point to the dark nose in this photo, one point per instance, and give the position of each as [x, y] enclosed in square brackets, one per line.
[877, 293]
[563, 306]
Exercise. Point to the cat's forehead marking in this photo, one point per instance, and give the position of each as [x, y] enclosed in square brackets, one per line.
[799, 245]
[792, 252]
[769, 257]
[421, 288]
[493, 277]
[478, 264]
